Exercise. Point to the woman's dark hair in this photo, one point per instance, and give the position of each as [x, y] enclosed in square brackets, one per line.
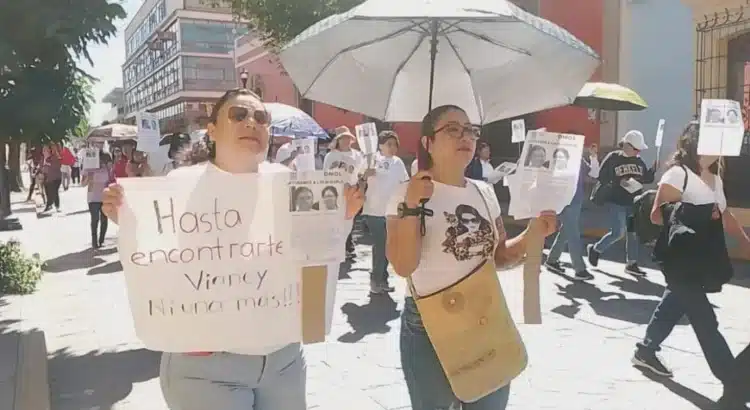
[532, 150]
[299, 190]
[687, 151]
[428, 130]
[386, 136]
[563, 150]
[460, 228]
[331, 189]
[205, 150]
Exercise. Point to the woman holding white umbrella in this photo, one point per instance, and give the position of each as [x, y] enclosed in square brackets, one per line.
[467, 231]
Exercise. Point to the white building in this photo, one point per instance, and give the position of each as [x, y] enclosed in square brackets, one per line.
[179, 58]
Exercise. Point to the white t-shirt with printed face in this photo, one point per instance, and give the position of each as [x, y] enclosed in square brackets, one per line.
[697, 192]
[459, 236]
[389, 173]
[350, 161]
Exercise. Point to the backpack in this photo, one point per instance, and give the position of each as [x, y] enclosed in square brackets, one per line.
[640, 221]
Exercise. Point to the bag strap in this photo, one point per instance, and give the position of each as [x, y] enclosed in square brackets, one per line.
[410, 282]
[684, 183]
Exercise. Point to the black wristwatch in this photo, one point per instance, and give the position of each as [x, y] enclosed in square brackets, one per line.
[404, 210]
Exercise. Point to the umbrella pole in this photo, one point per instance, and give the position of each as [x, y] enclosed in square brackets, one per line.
[434, 26]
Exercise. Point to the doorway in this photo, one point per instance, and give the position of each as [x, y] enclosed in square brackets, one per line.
[738, 88]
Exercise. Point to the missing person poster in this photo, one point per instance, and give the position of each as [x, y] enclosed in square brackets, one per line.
[722, 128]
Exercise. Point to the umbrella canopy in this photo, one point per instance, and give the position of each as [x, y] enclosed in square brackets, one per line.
[113, 132]
[609, 97]
[489, 57]
[288, 121]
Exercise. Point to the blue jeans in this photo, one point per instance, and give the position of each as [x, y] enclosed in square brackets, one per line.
[693, 303]
[618, 222]
[570, 235]
[228, 381]
[425, 379]
[376, 227]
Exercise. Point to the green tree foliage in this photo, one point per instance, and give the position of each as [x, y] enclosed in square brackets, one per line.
[278, 21]
[19, 273]
[43, 94]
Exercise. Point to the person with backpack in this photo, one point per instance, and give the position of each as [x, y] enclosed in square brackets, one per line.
[621, 179]
[691, 251]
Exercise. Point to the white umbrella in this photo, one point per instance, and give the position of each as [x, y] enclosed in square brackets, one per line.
[489, 57]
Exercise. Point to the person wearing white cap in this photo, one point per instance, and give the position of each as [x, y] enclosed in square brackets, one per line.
[343, 156]
[621, 177]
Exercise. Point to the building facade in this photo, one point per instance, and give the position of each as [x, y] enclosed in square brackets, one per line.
[179, 59]
[721, 66]
[115, 98]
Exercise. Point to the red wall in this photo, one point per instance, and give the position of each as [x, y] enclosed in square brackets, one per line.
[275, 86]
[584, 19]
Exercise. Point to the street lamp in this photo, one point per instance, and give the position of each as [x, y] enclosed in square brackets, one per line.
[243, 78]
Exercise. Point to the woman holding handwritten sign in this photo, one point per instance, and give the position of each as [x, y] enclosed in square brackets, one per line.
[448, 249]
[267, 379]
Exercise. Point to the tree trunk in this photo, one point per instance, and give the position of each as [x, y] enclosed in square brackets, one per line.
[4, 188]
[14, 167]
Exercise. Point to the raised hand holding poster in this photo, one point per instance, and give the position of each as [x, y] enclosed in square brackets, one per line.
[721, 128]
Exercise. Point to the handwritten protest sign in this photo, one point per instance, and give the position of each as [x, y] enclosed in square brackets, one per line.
[207, 265]
[721, 128]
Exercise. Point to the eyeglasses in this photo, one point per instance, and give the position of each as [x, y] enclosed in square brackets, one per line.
[458, 131]
[240, 114]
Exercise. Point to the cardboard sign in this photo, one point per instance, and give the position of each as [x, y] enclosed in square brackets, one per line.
[209, 268]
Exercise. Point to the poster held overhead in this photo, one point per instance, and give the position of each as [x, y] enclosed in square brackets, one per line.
[519, 130]
[722, 128]
[149, 133]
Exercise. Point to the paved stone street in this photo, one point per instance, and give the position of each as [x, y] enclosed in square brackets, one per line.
[580, 356]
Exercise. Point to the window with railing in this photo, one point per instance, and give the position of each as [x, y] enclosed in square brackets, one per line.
[162, 84]
[164, 48]
[203, 36]
[208, 74]
[146, 28]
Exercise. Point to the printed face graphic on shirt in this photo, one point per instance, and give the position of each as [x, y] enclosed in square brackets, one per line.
[383, 165]
[468, 235]
[342, 165]
[628, 169]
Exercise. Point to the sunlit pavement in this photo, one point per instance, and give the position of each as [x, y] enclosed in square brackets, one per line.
[579, 357]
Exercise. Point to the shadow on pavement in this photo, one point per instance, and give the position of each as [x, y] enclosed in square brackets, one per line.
[634, 284]
[696, 399]
[344, 268]
[613, 305]
[82, 211]
[369, 318]
[111, 267]
[77, 260]
[98, 380]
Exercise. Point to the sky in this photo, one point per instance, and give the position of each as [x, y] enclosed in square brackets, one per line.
[107, 67]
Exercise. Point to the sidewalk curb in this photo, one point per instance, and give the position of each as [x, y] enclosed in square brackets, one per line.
[32, 382]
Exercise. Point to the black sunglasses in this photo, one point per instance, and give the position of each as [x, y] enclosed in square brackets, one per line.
[240, 114]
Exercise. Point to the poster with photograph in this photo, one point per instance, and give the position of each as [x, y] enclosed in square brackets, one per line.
[721, 128]
[91, 158]
[547, 174]
[367, 138]
[500, 172]
[149, 134]
[518, 128]
[305, 159]
[316, 202]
